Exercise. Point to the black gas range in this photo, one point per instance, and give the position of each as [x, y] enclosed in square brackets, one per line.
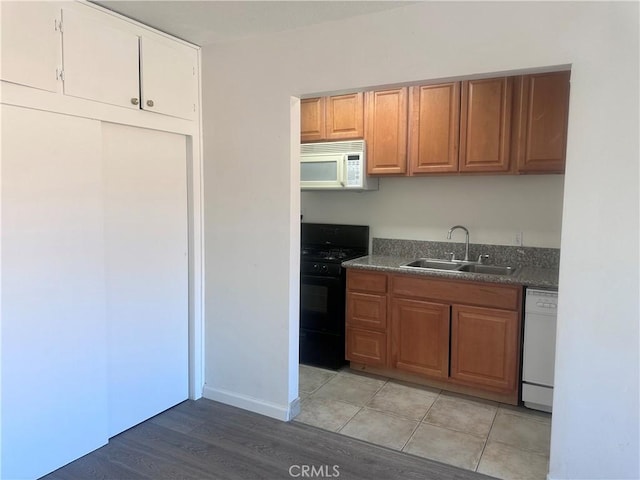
[322, 289]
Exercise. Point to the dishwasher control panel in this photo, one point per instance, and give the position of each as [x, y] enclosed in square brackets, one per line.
[544, 302]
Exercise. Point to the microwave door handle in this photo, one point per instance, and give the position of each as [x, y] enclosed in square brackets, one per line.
[344, 171]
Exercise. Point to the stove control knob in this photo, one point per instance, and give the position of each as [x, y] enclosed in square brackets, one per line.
[324, 268]
[316, 267]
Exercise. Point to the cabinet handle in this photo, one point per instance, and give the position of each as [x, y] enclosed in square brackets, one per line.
[149, 103]
[134, 101]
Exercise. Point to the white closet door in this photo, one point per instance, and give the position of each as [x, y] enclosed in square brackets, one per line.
[100, 61]
[30, 44]
[146, 264]
[54, 369]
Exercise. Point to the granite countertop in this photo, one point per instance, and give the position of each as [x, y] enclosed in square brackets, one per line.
[527, 276]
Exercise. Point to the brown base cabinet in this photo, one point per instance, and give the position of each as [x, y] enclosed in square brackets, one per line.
[420, 337]
[484, 346]
[452, 334]
[367, 310]
[366, 328]
[366, 346]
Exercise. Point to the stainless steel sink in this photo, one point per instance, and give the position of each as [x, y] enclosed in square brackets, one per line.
[488, 269]
[434, 264]
[454, 266]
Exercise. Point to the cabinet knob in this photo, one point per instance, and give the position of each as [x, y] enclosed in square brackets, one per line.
[134, 101]
[149, 103]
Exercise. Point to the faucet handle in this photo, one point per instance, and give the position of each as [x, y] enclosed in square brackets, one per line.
[452, 255]
[482, 258]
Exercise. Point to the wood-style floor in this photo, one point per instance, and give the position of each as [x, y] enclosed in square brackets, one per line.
[207, 440]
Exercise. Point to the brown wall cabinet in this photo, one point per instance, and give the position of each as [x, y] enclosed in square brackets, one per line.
[339, 117]
[312, 119]
[541, 118]
[386, 131]
[461, 127]
[504, 125]
[485, 125]
[451, 334]
[434, 112]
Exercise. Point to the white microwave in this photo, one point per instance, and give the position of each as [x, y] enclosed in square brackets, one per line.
[335, 166]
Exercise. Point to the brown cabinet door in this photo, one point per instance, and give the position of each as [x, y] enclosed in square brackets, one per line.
[542, 108]
[367, 347]
[386, 132]
[345, 116]
[312, 119]
[420, 337]
[434, 132]
[367, 310]
[484, 347]
[485, 125]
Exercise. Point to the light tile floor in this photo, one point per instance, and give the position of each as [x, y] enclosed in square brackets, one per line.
[488, 437]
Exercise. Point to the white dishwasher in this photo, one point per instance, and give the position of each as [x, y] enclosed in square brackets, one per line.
[539, 353]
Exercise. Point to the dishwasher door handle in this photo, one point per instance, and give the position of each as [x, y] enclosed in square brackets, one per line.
[546, 305]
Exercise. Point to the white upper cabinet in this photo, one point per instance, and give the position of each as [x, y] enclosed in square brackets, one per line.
[30, 44]
[168, 74]
[100, 62]
[83, 52]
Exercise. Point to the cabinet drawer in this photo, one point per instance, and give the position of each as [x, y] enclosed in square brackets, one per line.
[366, 281]
[367, 310]
[367, 347]
[451, 291]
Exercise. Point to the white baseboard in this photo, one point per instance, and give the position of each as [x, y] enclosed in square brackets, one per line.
[294, 408]
[256, 405]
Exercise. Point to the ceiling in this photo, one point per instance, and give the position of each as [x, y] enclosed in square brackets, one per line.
[207, 22]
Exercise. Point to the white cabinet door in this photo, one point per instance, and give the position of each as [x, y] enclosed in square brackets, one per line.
[169, 77]
[100, 61]
[30, 44]
[54, 357]
[147, 276]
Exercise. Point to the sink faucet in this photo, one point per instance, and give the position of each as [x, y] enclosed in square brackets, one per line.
[466, 245]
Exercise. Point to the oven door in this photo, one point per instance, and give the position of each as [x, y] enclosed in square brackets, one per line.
[322, 303]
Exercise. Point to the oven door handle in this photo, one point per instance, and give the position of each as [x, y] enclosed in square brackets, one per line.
[327, 278]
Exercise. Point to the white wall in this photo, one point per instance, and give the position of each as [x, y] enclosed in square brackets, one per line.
[250, 195]
[494, 208]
